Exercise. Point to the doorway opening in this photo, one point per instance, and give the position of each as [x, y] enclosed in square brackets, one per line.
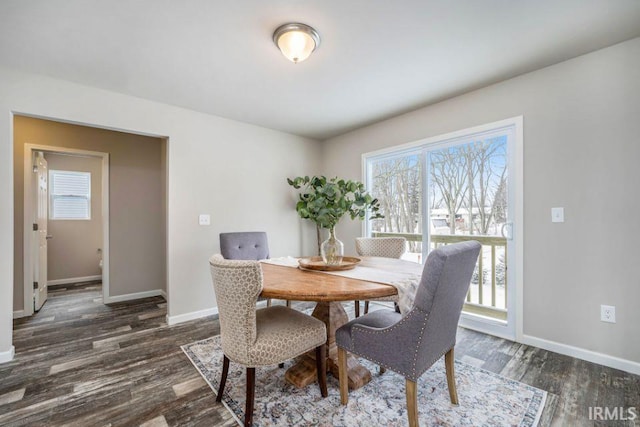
[133, 243]
[39, 176]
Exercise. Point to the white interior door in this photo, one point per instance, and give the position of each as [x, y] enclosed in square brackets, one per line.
[40, 230]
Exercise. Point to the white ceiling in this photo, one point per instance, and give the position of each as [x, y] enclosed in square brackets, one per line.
[377, 58]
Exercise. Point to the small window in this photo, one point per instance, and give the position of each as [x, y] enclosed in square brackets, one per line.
[70, 195]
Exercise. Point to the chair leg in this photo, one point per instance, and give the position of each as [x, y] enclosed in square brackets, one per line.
[366, 307]
[343, 375]
[288, 304]
[321, 368]
[357, 307]
[269, 302]
[412, 403]
[251, 386]
[281, 365]
[223, 378]
[451, 379]
[382, 369]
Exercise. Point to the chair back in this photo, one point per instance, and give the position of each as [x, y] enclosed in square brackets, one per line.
[237, 285]
[440, 297]
[387, 247]
[249, 245]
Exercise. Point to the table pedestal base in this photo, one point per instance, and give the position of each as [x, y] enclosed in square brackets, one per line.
[304, 373]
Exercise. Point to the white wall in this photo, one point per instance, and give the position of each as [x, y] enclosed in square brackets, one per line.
[234, 171]
[581, 151]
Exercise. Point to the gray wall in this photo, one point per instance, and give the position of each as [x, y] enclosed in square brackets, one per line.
[581, 151]
[136, 201]
[73, 250]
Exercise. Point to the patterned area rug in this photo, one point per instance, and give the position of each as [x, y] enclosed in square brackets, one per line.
[486, 399]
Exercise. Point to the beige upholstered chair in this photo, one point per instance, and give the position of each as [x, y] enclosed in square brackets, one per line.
[387, 247]
[266, 336]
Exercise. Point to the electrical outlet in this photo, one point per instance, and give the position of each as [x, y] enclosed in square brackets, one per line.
[557, 214]
[608, 313]
[204, 219]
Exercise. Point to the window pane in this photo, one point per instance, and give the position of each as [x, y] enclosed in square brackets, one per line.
[397, 183]
[70, 195]
[70, 183]
[467, 187]
[468, 197]
[69, 207]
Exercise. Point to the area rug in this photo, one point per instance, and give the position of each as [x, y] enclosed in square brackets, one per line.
[486, 399]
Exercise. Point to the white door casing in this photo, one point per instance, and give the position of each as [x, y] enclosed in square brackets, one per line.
[40, 231]
[31, 244]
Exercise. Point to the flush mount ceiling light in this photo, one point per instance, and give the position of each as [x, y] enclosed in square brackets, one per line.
[296, 41]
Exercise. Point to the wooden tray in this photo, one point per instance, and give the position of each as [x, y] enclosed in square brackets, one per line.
[316, 263]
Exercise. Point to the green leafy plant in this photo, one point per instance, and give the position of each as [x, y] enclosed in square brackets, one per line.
[325, 201]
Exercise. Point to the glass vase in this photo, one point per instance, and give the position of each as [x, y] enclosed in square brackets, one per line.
[332, 249]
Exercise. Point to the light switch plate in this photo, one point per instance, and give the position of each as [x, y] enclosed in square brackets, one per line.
[204, 219]
[557, 214]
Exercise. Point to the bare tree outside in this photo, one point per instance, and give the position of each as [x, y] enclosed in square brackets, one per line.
[467, 190]
[397, 184]
[469, 182]
[466, 187]
[489, 163]
[449, 182]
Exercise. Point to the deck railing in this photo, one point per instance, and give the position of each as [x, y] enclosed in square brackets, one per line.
[488, 290]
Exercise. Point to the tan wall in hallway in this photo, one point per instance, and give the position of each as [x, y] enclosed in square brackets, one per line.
[73, 250]
[137, 223]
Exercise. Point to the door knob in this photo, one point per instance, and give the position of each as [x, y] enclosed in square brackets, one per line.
[507, 230]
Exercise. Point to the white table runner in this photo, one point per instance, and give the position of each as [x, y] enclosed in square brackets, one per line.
[405, 276]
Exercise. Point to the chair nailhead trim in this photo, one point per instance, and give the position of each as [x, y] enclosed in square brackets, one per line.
[415, 353]
[415, 357]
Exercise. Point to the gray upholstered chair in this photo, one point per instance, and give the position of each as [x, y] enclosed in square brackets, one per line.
[387, 247]
[262, 337]
[249, 245]
[409, 345]
[246, 245]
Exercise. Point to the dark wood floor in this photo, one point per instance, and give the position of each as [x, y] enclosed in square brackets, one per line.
[81, 363]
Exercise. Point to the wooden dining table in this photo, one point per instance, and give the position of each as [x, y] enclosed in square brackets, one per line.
[328, 291]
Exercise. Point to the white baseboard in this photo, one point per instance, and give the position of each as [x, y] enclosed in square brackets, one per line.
[136, 295]
[73, 280]
[163, 294]
[7, 356]
[174, 320]
[18, 314]
[581, 353]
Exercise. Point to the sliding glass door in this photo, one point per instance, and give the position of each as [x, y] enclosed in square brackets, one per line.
[455, 188]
